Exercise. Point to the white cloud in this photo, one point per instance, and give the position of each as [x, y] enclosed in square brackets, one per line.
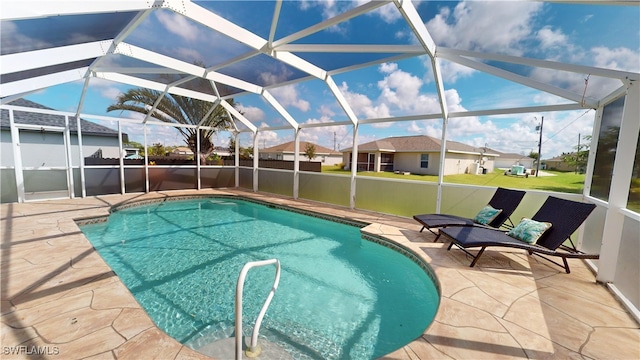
[596, 87]
[267, 138]
[619, 58]
[288, 96]
[451, 71]
[105, 88]
[482, 26]
[325, 136]
[270, 77]
[252, 113]
[388, 67]
[178, 25]
[549, 38]
[514, 134]
[362, 105]
[560, 132]
[388, 13]
[15, 41]
[325, 111]
[189, 55]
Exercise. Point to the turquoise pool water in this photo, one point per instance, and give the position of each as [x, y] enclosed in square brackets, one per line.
[340, 297]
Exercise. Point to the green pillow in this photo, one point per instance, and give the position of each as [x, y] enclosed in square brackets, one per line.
[486, 215]
[529, 230]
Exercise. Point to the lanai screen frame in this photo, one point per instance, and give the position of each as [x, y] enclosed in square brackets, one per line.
[281, 49]
[56, 62]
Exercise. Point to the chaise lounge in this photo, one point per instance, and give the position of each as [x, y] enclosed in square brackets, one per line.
[558, 219]
[506, 200]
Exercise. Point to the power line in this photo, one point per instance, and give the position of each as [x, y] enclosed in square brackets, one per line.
[566, 126]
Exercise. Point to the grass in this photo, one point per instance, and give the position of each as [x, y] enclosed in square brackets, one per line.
[567, 182]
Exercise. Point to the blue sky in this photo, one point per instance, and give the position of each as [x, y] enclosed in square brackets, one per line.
[601, 36]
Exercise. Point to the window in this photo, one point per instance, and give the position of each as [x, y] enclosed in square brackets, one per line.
[606, 150]
[424, 161]
[634, 191]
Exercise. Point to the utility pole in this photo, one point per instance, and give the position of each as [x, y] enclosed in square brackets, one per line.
[334, 141]
[539, 149]
[578, 155]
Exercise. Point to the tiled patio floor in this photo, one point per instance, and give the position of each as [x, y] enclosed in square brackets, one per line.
[60, 296]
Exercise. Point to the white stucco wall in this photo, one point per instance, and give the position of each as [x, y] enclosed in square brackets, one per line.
[503, 163]
[411, 162]
[464, 163]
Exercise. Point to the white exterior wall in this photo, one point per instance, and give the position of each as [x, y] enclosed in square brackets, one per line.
[323, 158]
[411, 162]
[503, 163]
[464, 163]
[454, 163]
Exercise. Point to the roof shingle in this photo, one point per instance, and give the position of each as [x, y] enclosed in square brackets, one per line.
[22, 117]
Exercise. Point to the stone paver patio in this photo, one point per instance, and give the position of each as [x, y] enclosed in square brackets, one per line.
[59, 298]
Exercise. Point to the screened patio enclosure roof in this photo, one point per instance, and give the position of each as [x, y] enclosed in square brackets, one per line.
[217, 50]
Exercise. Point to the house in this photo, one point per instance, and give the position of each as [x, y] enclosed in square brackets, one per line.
[421, 155]
[286, 152]
[45, 147]
[222, 151]
[506, 160]
[558, 163]
[181, 151]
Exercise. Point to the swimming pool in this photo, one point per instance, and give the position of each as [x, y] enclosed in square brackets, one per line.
[340, 297]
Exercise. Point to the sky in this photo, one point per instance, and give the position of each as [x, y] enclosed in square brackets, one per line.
[593, 35]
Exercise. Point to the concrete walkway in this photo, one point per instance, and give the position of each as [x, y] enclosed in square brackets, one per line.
[61, 301]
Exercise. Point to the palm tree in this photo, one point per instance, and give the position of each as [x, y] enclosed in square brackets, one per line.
[178, 109]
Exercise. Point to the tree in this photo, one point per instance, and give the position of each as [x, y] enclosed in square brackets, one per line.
[533, 155]
[580, 156]
[310, 151]
[245, 153]
[157, 149]
[178, 109]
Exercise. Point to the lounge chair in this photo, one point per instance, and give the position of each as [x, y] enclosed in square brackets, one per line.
[565, 216]
[505, 199]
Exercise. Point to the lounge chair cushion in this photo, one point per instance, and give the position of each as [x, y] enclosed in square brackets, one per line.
[486, 215]
[529, 230]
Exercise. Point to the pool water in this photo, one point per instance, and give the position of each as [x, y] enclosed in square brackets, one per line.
[340, 297]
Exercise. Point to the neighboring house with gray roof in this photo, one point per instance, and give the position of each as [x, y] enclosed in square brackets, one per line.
[43, 149]
[286, 152]
[420, 155]
[559, 163]
[506, 160]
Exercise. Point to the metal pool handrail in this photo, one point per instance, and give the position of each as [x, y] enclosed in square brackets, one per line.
[253, 350]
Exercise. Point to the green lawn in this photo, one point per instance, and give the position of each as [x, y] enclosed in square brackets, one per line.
[562, 182]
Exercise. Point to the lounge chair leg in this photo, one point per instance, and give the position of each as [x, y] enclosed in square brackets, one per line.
[566, 265]
[475, 260]
[422, 228]
[450, 245]
[437, 236]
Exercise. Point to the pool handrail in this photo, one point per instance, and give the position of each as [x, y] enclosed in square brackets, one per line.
[252, 350]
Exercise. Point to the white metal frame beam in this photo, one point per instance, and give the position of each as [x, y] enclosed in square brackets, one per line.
[330, 22]
[52, 56]
[523, 80]
[280, 109]
[19, 10]
[416, 23]
[580, 69]
[41, 82]
[342, 101]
